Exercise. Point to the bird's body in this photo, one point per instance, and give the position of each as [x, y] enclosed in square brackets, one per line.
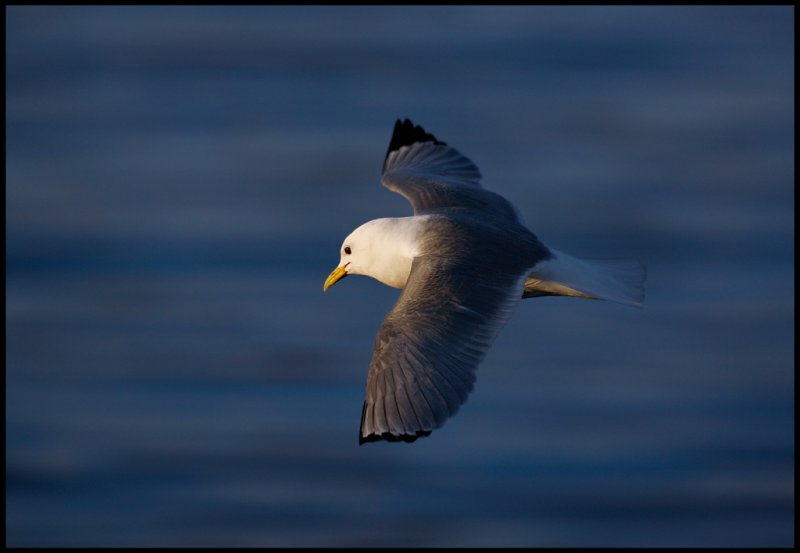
[464, 260]
[392, 243]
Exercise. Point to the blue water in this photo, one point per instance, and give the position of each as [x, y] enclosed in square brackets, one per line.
[178, 183]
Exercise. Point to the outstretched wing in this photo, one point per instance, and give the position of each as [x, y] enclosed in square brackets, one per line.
[434, 176]
[431, 342]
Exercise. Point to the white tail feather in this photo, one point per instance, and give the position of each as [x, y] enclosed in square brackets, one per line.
[619, 280]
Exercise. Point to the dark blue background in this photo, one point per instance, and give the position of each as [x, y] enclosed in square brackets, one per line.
[179, 180]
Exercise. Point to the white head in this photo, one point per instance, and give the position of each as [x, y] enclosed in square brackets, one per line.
[382, 249]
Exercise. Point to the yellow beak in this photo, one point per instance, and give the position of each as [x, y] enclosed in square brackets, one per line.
[338, 274]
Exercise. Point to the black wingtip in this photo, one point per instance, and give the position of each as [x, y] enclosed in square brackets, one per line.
[386, 436]
[406, 133]
[408, 438]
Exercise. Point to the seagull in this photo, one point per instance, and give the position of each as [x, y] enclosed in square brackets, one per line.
[464, 261]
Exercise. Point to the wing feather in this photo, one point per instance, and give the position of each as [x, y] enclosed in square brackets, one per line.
[434, 176]
[429, 346]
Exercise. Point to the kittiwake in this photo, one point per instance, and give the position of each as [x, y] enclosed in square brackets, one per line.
[464, 261]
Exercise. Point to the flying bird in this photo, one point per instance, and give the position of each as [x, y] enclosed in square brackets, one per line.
[464, 261]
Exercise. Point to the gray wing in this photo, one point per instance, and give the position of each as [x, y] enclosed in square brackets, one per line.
[431, 342]
[434, 176]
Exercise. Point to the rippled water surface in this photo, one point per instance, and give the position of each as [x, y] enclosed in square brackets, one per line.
[178, 184]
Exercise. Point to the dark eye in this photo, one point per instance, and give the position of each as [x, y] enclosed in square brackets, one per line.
[347, 250]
